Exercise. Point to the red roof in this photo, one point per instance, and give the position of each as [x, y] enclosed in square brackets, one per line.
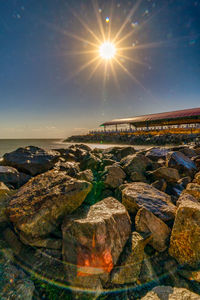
[185, 113]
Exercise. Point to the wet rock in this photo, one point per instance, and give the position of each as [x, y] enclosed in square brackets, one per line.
[169, 174]
[131, 260]
[93, 240]
[157, 153]
[194, 190]
[139, 194]
[170, 293]
[181, 162]
[11, 176]
[135, 163]
[185, 237]
[114, 176]
[38, 206]
[160, 185]
[31, 160]
[146, 221]
[86, 175]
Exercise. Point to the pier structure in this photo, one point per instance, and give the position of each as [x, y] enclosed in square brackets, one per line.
[180, 121]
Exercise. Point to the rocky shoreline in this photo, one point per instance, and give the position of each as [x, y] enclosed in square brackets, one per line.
[121, 223]
[139, 139]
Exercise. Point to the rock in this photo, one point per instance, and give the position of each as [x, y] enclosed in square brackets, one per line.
[82, 146]
[169, 174]
[190, 274]
[137, 177]
[93, 240]
[185, 237]
[170, 293]
[89, 162]
[117, 153]
[86, 175]
[114, 176]
[132, 257]
[11, 176]
[181, 162]
[137, 195]
[197, 178]
[31, 160]
[146, 221]
[161, 185]
[71, 168]
[135, 163]
[5, 195]
[14, 283]
[184, 197]
[48, 243]
[184, 181]
[157, 153]
[194, 190]
[38, 206]
[107, 162]
[188, 152]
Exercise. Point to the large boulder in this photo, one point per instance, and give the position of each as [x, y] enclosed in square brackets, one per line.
[194, 190]
[12, 176]
[135, 163]
[31, 160]
[131, 261]
[93, 240]
[169, 174]
[5, 195]
[38, 206]
[170, 293]
[157, 153]
[114, 176]
[181, 162]
[138, 194]
[185, 237]
[117, 153]
[146, 221]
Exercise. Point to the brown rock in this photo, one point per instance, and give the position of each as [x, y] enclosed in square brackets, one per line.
[146, 221]
[194, 190]
[114, 176]
[38, 206]
[93, 240]
[170, 293]
[185, 237]
[130, 265]
[184, 197]
[161, 185]
[139, 194]
[86, 175]
[169, 174]
[135, 163]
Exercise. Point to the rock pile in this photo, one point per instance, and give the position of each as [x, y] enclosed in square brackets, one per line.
[103, 219]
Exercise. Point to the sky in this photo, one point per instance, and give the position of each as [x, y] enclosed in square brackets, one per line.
[48, 91]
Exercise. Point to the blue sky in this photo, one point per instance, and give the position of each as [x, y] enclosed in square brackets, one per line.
[40, 98]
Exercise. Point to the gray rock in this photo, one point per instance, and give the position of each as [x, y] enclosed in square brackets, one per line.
[31, 160]
[157, 153]
[139, 194]
[114, 176]
[181, 162]
[135, 163]
[169, 174]
[12, 176]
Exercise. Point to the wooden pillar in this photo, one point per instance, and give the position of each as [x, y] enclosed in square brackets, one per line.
[116, 127]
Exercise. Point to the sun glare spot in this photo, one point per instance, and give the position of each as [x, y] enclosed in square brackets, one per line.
[107, 50]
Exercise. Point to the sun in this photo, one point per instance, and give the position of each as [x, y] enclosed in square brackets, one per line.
[107, 50]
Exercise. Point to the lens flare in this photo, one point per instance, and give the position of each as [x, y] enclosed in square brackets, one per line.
[107, 50]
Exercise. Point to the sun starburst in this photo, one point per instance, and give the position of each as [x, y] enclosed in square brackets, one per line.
[108, 46]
